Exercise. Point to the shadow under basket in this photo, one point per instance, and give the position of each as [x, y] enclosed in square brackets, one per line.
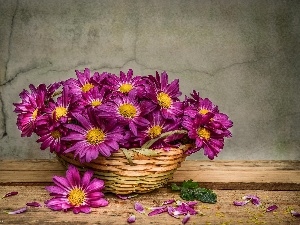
[133, 170]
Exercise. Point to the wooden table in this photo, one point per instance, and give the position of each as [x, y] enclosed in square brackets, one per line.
[275, 182]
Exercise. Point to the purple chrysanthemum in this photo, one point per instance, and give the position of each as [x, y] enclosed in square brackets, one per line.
[94, 98]
[50, 133]
[93, 137]
[127, 110]
[165, 95]
[75, 193]
[203, 135]
[127, 83]
[158, 125]
[30, 108]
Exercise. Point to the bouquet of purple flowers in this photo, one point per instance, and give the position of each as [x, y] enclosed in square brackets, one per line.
[98, 114]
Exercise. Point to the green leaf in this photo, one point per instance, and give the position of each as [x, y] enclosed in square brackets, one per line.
[191, 191]
[175, 187]
[190, 184]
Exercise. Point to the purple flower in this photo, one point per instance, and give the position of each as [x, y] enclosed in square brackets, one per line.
[30, 108]
[158, 125]
[76, 193]
[203, 135]
[50, 133]
[93, 137]
[126, 84]
[126, 110]
[165, 95]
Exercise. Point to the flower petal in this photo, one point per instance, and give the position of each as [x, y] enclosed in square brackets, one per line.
[170, 201]
[294, 213]
[138, 207]
[33, 204]
[18, 211]
[124, 197]
[271, 208]
[10, 194]
[131, 219]
[242, 203]
[186, 218]
[158, 210]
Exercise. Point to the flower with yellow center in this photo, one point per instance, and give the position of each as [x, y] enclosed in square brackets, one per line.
[55, 134]
[76, 193]
[203, 133]
[127, 110]
[76, 196]
[164, 100]
[85, 88]
[203, 111]
[154, 131]
[125, 88]
[96, 103]
[60, 112]
[95, 136]
[34, 114]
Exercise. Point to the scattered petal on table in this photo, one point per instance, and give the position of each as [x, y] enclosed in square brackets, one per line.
[18, 211]
[131, 219]
[10, 194]
[271, 208]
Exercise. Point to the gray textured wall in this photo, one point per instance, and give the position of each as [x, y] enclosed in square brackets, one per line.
[243, 55]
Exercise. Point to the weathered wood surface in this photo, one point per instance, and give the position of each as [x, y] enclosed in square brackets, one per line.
[275, 182]
[117, 212]
[223, 175]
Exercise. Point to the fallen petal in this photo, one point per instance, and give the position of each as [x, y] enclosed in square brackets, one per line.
[186, 218]
[271, 208]
[18, 211]
[237, 203]
[10, 194]
[158, 210]
[294, 213]
[253, 198]
[172, 212]
[34, 204]
[125, 197]
[131, 219]
[168, 202]
[138, 207]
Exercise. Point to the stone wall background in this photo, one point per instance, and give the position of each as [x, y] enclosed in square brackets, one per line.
[243, 55]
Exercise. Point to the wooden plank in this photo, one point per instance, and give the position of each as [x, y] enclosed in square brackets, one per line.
[117, 212]
[235, 175]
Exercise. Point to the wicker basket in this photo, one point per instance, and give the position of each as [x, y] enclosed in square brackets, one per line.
[133, 170]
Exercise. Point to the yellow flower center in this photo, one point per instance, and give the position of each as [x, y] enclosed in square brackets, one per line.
[55, 134]
[127, 110]
[164, 100]
[60, 111]
[34, 114]
[125, 88]
[203, 111]
[76, 196]
[204, 133]
[95, 103]
[95, 136]
[155, 131]
[88, 86]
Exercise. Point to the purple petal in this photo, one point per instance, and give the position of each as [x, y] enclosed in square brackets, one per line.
[98, 203]
[186, 218]
[10, 194]
[85, 209]
[242, 203]
[271, 208]
[124, 197]
[138, 207]
[34, 204]
[253, 198]
[158, 210]
[131, 219]
[21, 210]
[168, 202]
[294, 213]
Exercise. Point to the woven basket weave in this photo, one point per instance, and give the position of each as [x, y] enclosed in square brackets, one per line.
[128, 171]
